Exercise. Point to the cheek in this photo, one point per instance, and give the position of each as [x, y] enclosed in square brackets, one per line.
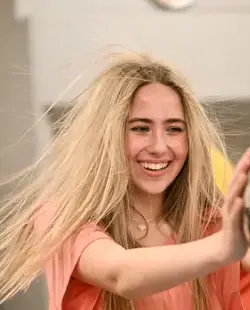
[180, 147]
[134, 145]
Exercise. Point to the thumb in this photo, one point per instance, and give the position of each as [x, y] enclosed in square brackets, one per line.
[237, 213]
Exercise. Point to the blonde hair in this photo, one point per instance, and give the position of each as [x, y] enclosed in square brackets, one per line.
[87, 178]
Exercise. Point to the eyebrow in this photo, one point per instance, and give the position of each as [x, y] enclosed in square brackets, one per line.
[150, 121]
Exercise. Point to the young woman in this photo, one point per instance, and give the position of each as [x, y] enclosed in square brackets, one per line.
[128, 215]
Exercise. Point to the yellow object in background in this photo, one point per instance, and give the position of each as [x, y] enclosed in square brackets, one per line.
[223, 169]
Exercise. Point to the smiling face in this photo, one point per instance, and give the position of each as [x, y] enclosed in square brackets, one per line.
[157, 141]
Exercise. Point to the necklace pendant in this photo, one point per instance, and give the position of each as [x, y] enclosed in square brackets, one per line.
[142, 227]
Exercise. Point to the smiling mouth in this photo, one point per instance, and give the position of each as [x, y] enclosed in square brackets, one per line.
[154, 167]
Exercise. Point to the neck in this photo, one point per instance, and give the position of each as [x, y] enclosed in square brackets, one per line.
[150, 206]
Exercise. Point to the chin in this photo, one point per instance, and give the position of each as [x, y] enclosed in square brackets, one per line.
[153, 189]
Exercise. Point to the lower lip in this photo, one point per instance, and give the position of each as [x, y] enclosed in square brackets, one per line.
[152, 173]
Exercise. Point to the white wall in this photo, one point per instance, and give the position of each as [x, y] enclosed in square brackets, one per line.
[210, 44]
[15, 105]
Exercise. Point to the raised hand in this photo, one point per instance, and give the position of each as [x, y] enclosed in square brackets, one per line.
[234, 239]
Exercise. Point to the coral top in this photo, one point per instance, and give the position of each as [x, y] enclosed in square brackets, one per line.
[230, 286]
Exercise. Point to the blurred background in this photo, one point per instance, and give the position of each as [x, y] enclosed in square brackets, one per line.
[46, 44]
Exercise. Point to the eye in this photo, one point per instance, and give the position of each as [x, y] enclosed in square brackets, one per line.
[141, 129]
[175, 129]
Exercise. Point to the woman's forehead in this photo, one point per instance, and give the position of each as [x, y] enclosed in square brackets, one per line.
[156, 101]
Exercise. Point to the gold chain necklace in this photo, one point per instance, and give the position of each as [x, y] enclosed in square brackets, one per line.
[143, 226]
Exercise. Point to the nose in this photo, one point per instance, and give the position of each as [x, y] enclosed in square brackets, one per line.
[158, 143]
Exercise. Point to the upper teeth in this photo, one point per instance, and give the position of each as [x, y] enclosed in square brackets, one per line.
[154, 166]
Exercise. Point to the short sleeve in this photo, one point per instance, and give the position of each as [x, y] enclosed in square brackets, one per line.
[60, 267]
[63, 289]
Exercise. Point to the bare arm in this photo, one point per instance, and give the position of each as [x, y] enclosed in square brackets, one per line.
[138, 272]
[144, 271]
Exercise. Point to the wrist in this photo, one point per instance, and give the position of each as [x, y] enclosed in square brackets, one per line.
[221, 254]
[226, 251]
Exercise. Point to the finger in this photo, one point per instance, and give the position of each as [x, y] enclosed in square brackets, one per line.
[246, 223]
[244, 163]
[239, 181]
[242, 167]
[237, 213]
[237, 189]
[233, 220]
[238, 206]
[247, 195]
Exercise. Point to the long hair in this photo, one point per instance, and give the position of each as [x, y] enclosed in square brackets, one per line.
[87, 178]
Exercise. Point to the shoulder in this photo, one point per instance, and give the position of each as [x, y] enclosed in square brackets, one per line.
[65, 290]
[46, 212]
[75, 243]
